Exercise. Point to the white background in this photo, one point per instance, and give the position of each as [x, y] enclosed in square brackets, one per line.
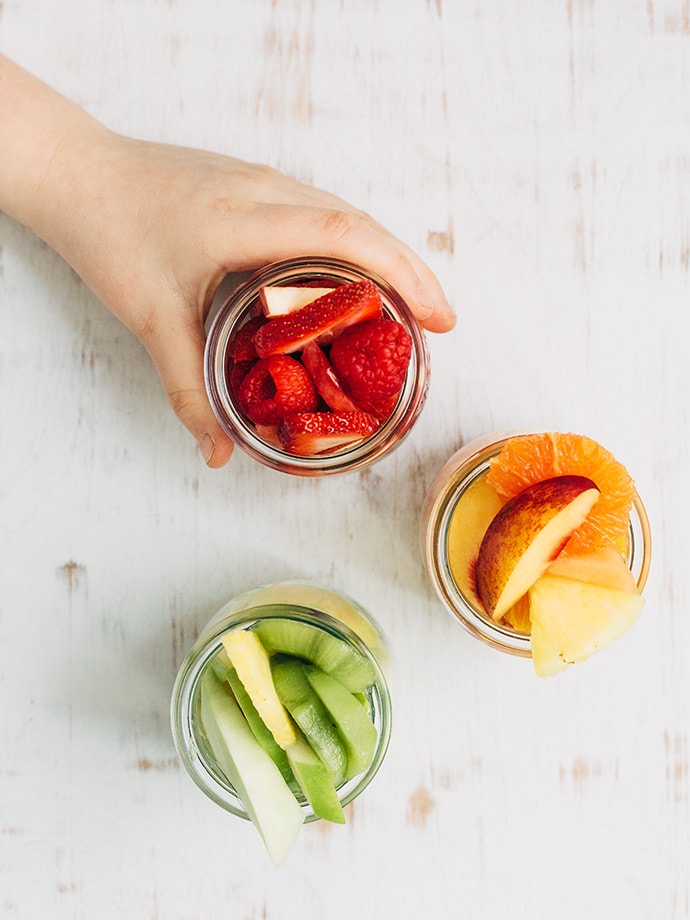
[537, 154]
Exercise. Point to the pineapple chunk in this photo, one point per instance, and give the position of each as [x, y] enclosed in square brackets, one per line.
[252, 663]
[573, 619]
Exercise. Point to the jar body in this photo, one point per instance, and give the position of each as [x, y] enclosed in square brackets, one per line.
[301, 602]
[243, 303]
[467, 467]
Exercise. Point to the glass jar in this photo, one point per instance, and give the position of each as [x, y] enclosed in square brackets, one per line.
[468, 467]
[297, 601]
[243, 303]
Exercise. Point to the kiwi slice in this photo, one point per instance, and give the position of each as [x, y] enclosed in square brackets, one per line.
[351, 719]
[331, 654]
[310, 714]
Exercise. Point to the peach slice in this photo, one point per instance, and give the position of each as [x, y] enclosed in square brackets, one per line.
[526, 535]
[605, 567]
[573, 619]
[279, 301]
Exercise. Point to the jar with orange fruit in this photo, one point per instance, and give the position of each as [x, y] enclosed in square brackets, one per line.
[539, 544]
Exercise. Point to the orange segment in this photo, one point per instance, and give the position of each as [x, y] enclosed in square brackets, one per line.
[527, 459]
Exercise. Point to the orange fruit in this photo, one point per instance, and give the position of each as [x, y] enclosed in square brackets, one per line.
[527, 459]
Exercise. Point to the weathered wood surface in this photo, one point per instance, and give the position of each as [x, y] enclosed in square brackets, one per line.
[537, 154]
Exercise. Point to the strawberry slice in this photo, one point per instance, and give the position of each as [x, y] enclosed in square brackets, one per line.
[324, 317]
[326, 380]
[275, 387]
[309, 433]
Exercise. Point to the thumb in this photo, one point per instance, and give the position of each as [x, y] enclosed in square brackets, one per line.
[177, 351]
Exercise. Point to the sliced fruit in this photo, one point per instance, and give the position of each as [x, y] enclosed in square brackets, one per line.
[327, 652]
[310, 714]
[251, 661]
[275, 387]
[351, 719]
[314, 781]
[254, 720]
[326, 316]
[277, 301]
[605, 567]
[573, 619]
[255, 778]
[469, 522]
[517, 616]
[325, 379]
[527, 459]
[311, 433]
[371, 359]
[526, 536]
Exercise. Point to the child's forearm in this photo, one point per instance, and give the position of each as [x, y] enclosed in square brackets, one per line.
[38, 127]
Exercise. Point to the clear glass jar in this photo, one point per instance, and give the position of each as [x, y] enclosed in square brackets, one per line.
[242, 304]
[298, 601]
[465, 468]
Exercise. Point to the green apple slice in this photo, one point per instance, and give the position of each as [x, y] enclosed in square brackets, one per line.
[327, 652]
[225, 672]
[310, 714]
[351, 719]
[262, 790]
[251, 661]
[314, 781]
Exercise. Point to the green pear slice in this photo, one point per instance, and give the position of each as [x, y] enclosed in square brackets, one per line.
[351, 719]
[526, 535]
[257, 781]
[310, 714]
[314, 781]
[573, 619]
[328, 652]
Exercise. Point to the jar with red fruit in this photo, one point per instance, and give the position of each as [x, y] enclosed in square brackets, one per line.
[316, 367]
[461, 505]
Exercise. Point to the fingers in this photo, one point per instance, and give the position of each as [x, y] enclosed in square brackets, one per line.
[280, 231]
[177, 348]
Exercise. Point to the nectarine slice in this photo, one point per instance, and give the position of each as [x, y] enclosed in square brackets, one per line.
[526, 536]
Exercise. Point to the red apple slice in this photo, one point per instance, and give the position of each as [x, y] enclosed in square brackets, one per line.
[278, 301]
[526, 535]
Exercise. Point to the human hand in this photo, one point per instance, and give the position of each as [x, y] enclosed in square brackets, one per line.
[153, 229]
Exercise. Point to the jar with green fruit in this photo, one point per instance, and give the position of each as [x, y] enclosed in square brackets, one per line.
[316, 367]
[281, 711]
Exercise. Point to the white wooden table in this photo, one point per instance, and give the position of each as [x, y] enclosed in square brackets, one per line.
[537, 154]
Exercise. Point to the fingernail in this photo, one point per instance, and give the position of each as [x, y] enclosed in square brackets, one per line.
[424, 299]
[206, 446]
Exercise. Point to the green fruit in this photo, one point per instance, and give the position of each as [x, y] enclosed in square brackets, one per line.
[310, 714]
[327, 652]
[351, 719]
[255, 778]
[227, 674]
[314, 781]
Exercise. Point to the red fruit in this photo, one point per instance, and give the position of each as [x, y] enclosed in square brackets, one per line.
[326, 380]
[326, 316]
[236, 374]
[318, 432]
[275, 387]
[372, 360]
[242, 347]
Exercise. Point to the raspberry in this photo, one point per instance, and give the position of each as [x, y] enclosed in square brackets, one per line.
[276, 387]
[371, 359]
